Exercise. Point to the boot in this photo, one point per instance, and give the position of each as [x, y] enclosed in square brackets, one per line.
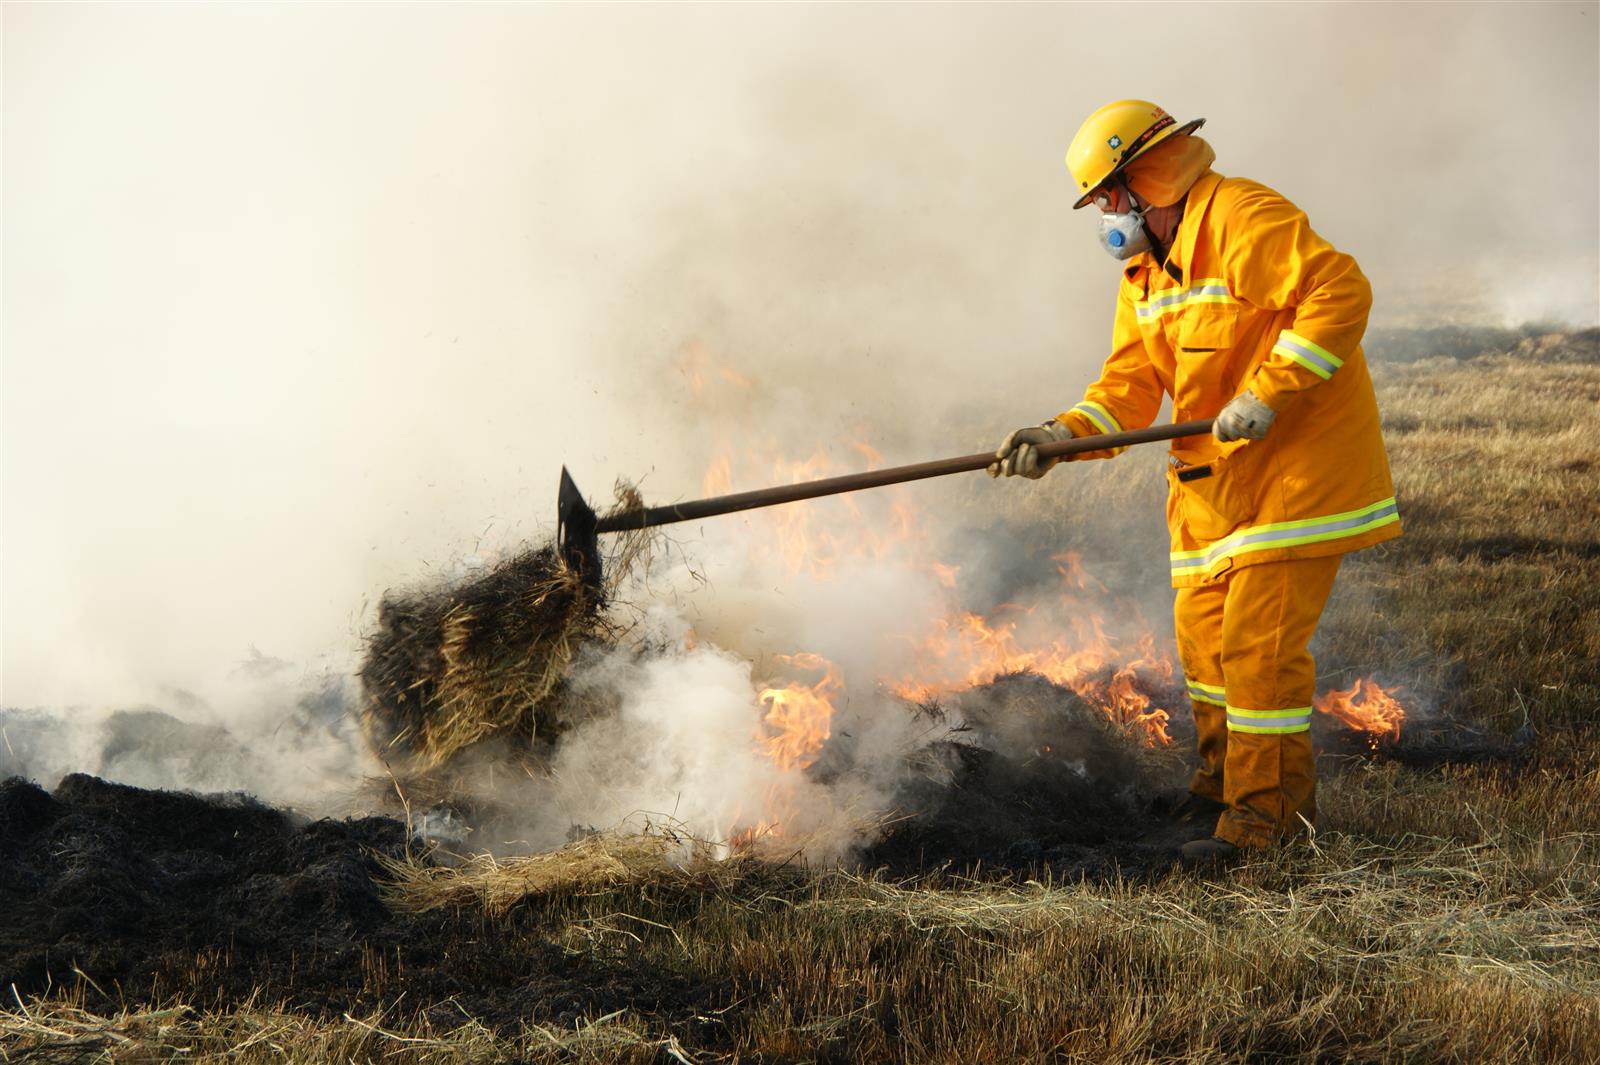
[1197, 809]
[1209, 851]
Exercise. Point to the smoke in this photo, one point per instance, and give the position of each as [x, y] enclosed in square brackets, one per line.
[684, 748]
[280, 734]
[302, 303]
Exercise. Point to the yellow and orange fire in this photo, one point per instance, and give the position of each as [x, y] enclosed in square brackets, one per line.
[799, 717]
[969, 650]
[1366, 707]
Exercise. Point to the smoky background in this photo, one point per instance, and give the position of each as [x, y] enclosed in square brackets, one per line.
[303, 303]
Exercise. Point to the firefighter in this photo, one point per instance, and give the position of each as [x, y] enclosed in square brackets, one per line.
[1231, 304]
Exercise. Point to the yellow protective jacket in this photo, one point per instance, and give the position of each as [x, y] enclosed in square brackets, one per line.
[1263, 303]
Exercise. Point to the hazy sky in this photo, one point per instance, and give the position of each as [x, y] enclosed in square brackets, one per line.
[303, 300]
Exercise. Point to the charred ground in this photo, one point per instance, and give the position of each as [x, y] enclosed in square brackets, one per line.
[139, 896]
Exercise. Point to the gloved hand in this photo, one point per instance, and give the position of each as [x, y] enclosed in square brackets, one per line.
[1016, 455]
[1244, 418]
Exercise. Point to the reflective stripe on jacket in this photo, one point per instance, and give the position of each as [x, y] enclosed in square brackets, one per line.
[1263, 303]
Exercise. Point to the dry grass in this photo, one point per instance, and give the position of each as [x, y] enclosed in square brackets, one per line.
[1448, 917]
[1495, 455]
[601, 860]
[450, 667]
[1489, 604]
[1479, 943]
[61, 1032]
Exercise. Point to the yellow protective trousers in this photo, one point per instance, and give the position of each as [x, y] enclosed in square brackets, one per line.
[1242, 638]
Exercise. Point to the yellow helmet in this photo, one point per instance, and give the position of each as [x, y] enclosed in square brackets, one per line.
[1115, 136]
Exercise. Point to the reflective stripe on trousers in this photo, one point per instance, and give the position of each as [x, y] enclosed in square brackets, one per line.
[1288, 534]
[1269, 721]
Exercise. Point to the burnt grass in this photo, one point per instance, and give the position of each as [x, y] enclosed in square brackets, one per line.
[140, 896]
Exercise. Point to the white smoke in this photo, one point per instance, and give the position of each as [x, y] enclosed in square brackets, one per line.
[303, 301]
[269, 729]
[683, 747]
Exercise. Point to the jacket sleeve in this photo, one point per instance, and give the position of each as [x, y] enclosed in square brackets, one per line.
[1127, 395]
[1273, 259]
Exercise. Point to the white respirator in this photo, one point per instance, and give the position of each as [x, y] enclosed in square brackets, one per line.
[1123, 235]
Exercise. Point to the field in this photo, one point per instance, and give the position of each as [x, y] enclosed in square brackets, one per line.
[1448, 908]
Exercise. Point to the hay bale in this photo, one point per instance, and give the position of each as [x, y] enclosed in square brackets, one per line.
[449, 667]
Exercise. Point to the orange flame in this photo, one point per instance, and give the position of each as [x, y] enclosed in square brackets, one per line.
[692, 367]
[1366, 707]
[1063, 641]
[718, 479]
[1069, 564]
[799, 716]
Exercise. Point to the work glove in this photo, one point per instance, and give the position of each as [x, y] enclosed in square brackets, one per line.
[1244, 418]
[1017, 454]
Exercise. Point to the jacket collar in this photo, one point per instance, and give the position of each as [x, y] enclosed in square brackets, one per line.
[1183, 241]
[1194, 213]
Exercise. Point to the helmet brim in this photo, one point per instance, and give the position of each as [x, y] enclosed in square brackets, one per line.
[1177, 131]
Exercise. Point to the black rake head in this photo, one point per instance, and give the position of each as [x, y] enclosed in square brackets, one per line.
[577, 537]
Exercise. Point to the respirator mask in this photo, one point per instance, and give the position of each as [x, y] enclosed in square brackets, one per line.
[1122, 234]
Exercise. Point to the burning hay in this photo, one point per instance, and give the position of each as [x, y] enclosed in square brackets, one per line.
[450, 667]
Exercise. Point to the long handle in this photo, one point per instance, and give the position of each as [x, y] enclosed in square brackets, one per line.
[852, 482]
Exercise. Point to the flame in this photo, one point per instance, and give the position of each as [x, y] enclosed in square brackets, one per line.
[799, 716]
[1366, 707]
[718, 479]
[814, 537]
[1069, 565]
[1064, 640]
[868, 452]
[746, 838]
[1060, 633]
[697, 368]
[795, 728]
[692, 366]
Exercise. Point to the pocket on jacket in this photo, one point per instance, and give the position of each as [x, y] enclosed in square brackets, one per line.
[1218, 496]
[1208, 326]
[1205, 374]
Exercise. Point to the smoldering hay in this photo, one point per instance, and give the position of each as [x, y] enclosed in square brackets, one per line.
[451, 665]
